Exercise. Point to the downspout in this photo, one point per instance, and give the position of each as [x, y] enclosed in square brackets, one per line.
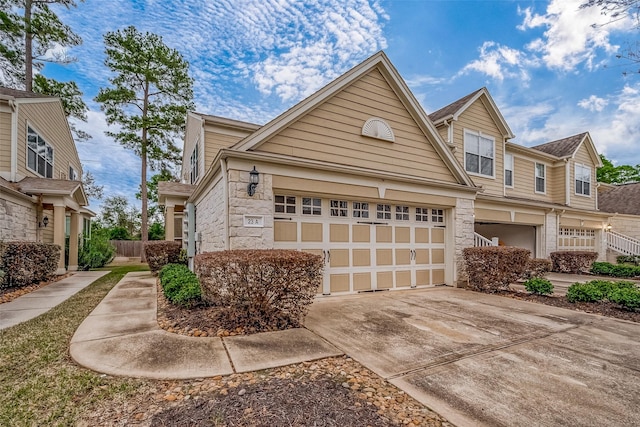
[14, 141]
[225, 189]
[567, 173]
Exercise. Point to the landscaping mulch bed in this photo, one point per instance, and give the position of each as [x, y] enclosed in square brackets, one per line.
[603, 308]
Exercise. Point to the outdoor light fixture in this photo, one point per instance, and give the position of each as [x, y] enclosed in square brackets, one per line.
[608, 228]
[45, 221]
[254, 178]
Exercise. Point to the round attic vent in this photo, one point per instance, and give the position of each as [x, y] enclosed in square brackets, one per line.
[378, 128]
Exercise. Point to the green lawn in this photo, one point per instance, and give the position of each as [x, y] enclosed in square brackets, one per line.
[39, 382]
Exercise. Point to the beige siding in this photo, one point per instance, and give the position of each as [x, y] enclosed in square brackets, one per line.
[476, 118]
[5, 142]
[49, 121]
[215, 141]
[524, 180]
[579, 201]
[557, 183]
[191, 135]
[332, 133]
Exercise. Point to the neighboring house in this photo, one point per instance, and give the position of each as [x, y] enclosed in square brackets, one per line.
[389, 196]
[41, 195]
[623, 204]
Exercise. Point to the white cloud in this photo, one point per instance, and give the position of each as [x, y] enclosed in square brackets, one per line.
[593, 103]
[500, 62]
[573, 35]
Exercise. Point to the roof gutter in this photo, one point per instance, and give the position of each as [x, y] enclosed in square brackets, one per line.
[14, 140]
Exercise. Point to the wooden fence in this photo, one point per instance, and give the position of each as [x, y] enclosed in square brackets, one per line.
[127, 248]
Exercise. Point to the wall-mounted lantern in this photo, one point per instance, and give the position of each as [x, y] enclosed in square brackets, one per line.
[45, 222]
[254, 179]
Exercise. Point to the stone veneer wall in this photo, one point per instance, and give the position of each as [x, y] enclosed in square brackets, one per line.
[464, 229]
[17, 221]
[551, 230]
[240, 203]
[210, 214]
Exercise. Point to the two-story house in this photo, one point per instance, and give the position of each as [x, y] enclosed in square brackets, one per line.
[542, 198]
[41, 195]
[359, 174]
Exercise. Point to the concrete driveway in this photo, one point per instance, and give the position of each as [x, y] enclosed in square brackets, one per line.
[487, 360]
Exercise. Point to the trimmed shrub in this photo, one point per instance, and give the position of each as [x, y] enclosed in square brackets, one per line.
[493, 268]
[573, 262]
[628, 259]
[261, 289]
[160, 253]
[95, 253]
[615, 270]
[628, 297]
[596, 290]
[539, 286]
[25, 263]
[180, 285]
[537, 267]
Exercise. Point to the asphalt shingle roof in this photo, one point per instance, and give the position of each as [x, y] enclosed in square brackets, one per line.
[623, 199]
[21, 93]
[562, 147]
[452, 108]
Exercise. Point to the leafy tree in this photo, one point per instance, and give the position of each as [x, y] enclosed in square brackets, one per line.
[91, 189]
[149, 97]
[617, 174]
[156, 231]
[31, 34]
[118, 213]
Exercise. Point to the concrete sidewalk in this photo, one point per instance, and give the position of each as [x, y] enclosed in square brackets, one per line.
[44, 299]
[122, 337]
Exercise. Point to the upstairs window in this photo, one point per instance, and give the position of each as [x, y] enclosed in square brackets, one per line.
[193, 164]
[73, 175]
[583, 180]
[540, 178]
[39, 154]
[479, 154]
[508, 170]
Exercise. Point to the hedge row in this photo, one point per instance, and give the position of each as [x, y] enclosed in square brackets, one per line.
[628, 259]
[493, 268]
[180, 285]
[263, 289]
[573, 262]
[615, 270]
[162, 252]
[26, 263]
[626, 294]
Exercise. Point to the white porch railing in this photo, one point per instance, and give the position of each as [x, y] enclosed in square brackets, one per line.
[480, 240]
[623, 244]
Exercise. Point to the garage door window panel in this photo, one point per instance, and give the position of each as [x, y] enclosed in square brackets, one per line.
[402, 213]
[360, 210]
[383, 212]
[311, 206]
[339, 208]
[285, 204]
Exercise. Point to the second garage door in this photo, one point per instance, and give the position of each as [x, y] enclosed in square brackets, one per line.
[366, 245]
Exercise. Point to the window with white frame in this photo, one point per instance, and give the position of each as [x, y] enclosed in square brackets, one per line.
[39, 154]
[508, 170]
[311, 206]
[360, 210]
[540, 178]
[193, 164]
[402, 213]
[583, 179]
[422, 214]
[383, 211]
[339, 208]
[73, 175]
[285, 204]
[437, 215]
[479, 153]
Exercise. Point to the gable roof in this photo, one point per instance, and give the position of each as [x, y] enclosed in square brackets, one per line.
[52, 187]
[623, 199]
[378, 61]
[456, 108]
[567, 147]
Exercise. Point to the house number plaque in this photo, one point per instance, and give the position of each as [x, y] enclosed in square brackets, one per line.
[254, 220]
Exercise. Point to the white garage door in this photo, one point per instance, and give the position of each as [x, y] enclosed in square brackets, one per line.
[365, 245]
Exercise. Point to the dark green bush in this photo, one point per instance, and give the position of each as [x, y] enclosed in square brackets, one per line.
[25, 263]
[615, 270]
[493, 268]
[539, 286]
[96, 252]
[628, 297]
[584, 292]
[160, 253]
[628, 259]
[180, 285]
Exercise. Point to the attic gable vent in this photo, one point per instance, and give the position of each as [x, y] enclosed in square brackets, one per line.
[378, 128]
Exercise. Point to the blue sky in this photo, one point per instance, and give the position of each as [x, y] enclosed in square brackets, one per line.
[551, 72]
